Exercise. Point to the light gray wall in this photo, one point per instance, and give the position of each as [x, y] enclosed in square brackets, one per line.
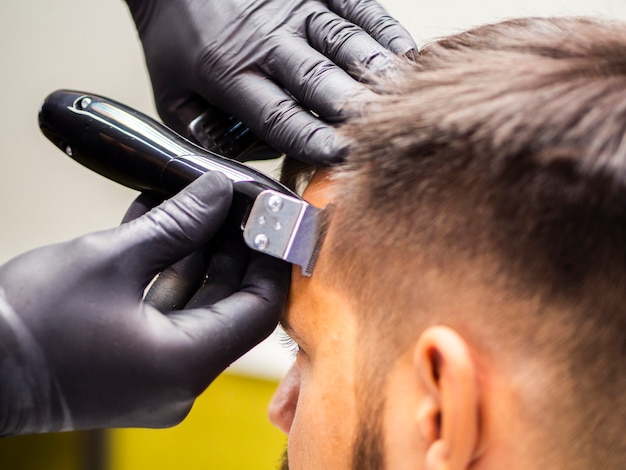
[91, 45]
[87, 45]
[427, 19]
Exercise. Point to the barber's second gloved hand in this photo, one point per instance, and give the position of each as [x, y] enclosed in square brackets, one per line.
[267, 62]
[80, 348]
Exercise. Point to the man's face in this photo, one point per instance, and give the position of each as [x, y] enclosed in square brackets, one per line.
[330, 414]
[345, 404]
[315, 404]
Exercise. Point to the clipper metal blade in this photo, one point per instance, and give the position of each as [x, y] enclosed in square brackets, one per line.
[287, 227]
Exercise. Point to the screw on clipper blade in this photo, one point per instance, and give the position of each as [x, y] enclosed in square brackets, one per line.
[288, 228]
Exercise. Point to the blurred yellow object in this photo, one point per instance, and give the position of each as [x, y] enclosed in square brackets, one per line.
[59, 451]
[226, 429]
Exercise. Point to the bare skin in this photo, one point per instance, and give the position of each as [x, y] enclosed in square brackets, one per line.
[448, 405]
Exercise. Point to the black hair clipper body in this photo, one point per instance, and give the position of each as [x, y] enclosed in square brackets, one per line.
[130, 148]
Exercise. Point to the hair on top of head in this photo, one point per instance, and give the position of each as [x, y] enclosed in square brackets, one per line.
[525, 117]
[501, 151]
[520, 75]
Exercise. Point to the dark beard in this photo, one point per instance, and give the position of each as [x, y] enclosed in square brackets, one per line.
[284, 462]
[368, 449]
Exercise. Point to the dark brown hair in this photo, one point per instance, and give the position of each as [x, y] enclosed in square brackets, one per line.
[499, 157]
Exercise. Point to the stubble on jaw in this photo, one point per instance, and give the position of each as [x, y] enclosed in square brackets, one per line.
[284, 461]
[368, 448]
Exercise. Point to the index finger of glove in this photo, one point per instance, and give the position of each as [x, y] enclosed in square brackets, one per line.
[374, 19]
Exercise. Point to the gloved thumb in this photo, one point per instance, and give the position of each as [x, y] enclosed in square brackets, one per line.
[179, 225]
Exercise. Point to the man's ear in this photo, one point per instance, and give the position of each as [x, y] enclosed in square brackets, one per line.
[448, 416]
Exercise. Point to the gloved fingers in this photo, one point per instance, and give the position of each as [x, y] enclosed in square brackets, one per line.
[221, 333]
[227, 264]
[204, 277]
[282, 122]
[346, 44]
[173, 288]
[142, 204]
[314, 80]
[373, 18]
[178, 226]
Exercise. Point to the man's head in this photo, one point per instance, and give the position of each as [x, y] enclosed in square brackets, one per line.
[469, 304]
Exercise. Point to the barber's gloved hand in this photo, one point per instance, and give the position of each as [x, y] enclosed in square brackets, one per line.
[80, 348]
[267, 62]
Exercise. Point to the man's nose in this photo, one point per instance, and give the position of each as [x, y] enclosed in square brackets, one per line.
[282, 407]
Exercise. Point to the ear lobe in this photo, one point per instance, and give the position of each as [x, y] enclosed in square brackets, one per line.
[449, 410]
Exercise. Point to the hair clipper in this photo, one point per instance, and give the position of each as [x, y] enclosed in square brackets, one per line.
[132, 149]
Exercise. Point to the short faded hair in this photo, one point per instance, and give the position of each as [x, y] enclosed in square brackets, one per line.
[500, 155]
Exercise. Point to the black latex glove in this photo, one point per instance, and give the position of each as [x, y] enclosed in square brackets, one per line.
[79, 348]
[267, 62]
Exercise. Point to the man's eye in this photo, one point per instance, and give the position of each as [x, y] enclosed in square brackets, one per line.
[288, 343]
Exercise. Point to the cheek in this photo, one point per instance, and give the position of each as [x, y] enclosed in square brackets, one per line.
[323, 429]
[406, 406]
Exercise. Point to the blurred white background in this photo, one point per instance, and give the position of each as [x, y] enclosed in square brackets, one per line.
[91, 45]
